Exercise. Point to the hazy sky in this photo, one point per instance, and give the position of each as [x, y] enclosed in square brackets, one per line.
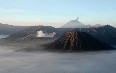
[57, 12]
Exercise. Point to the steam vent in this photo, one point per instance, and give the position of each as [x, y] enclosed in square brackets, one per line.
[78, 41]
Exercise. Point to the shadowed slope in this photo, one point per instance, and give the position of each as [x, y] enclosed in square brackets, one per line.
[106, 34]
[78, 41]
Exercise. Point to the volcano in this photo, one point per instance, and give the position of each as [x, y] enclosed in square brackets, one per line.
[78, 41]
[75, 24]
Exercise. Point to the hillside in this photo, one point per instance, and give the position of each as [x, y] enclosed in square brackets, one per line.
[77, 41]
[106, 34]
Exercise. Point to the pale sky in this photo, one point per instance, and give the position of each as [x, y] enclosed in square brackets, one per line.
[57, 12]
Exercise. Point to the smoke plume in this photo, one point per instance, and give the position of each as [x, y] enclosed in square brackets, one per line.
[42, 34]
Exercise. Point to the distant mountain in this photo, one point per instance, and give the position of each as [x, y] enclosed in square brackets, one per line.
[10, 29]
[75, 24]
[77, 41]
[106, 34]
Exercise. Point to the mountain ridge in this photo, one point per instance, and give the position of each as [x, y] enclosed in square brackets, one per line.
[6, 29]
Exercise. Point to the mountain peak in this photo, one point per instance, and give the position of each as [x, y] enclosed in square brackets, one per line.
[75, 24]
[77, 18]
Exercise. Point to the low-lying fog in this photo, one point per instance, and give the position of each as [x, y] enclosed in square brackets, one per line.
[49, 62]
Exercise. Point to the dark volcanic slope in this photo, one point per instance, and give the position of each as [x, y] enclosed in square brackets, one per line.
[78, 41]
[106, 34]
